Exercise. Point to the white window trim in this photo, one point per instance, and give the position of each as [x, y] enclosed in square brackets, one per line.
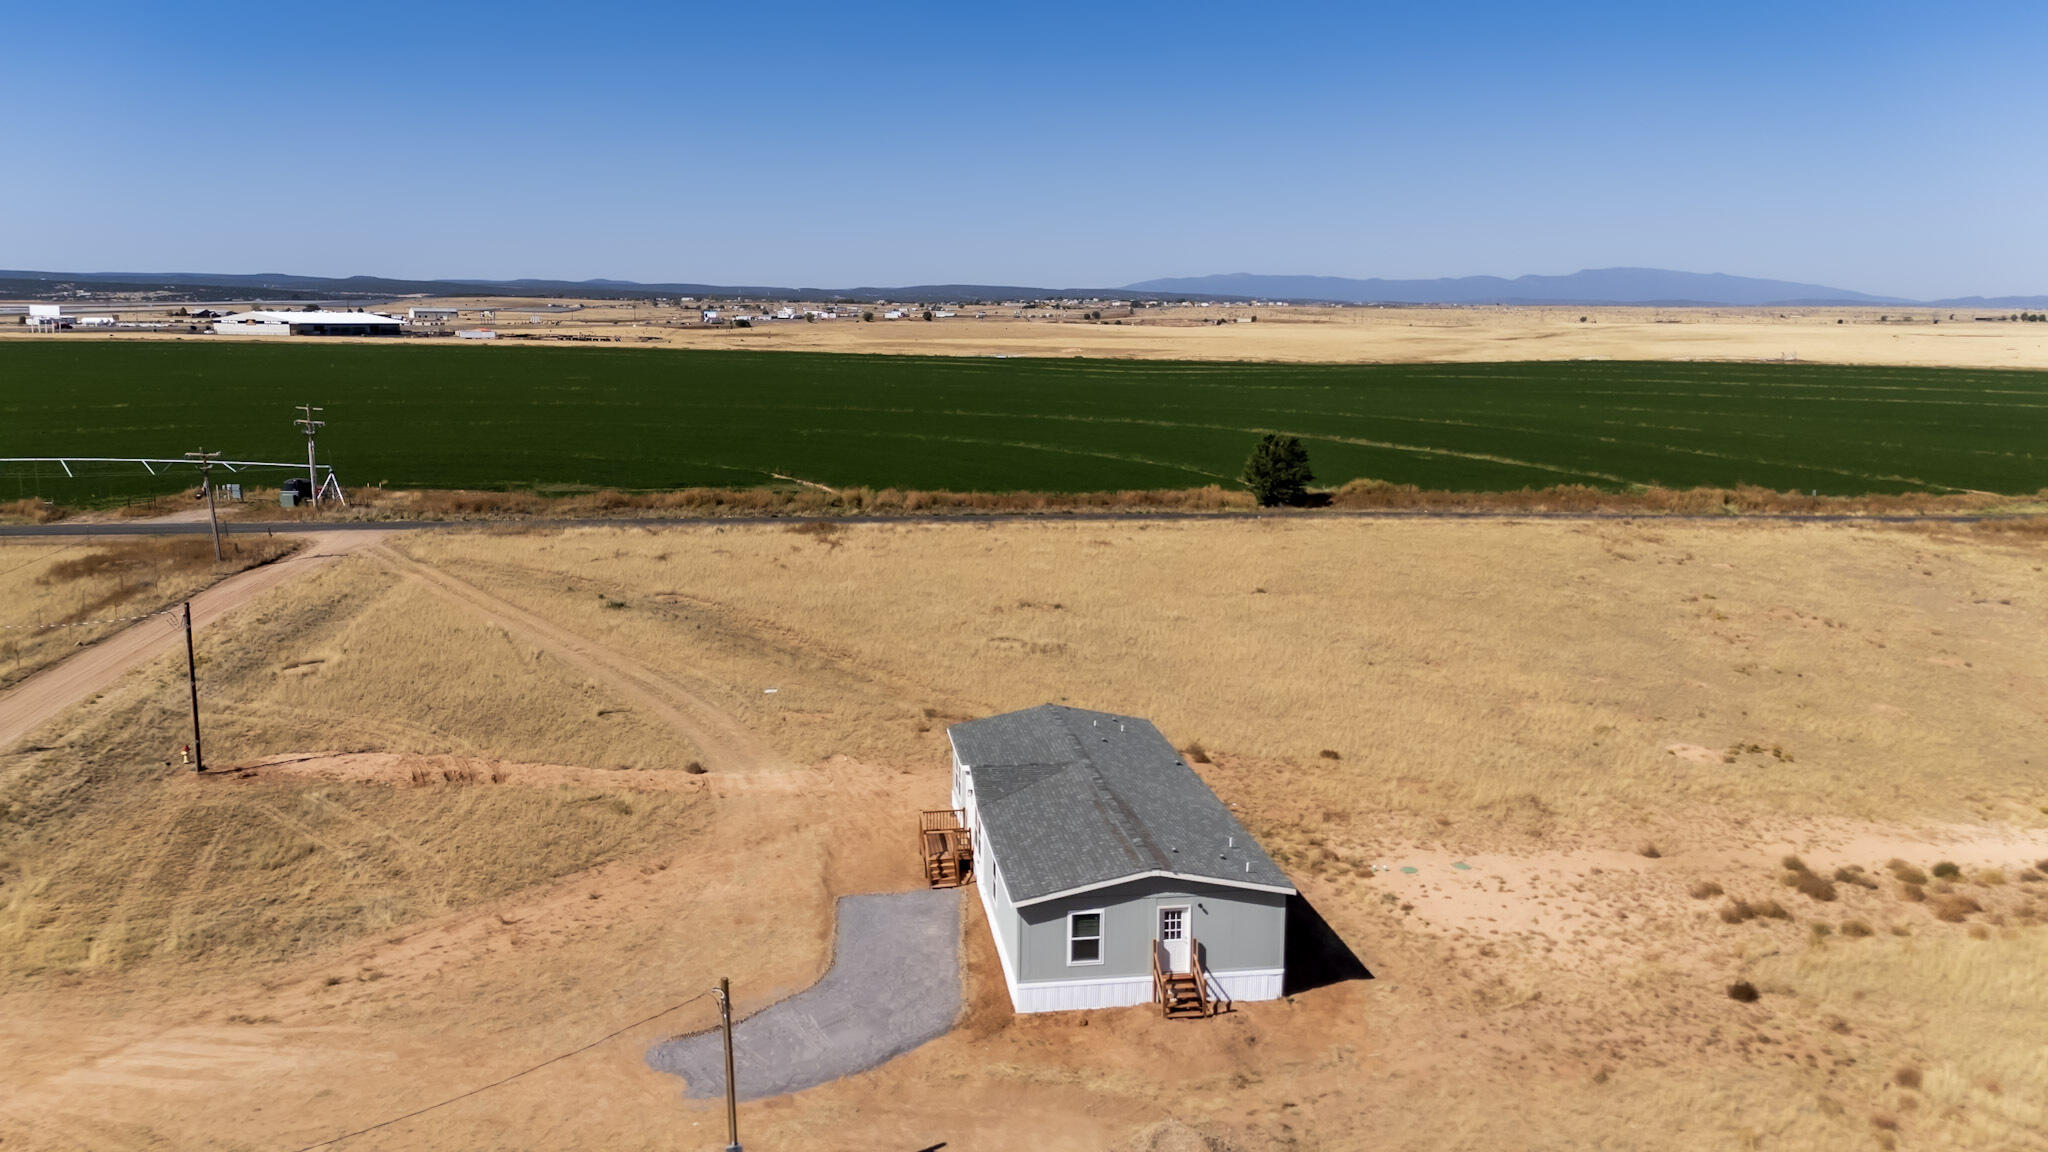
[1101, 934]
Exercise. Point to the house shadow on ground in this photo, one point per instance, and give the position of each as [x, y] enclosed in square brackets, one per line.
[1316, 956]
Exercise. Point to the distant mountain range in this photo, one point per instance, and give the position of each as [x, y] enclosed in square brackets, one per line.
[285, 286]
[1626, 286]
[1647, 286]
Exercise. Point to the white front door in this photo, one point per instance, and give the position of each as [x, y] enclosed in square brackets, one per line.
[1173, 935]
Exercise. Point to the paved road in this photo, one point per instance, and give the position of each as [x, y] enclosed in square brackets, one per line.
[894, 984]
[258, 527]
[37, 700]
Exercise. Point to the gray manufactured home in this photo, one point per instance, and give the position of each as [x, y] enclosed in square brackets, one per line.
[1110, 873]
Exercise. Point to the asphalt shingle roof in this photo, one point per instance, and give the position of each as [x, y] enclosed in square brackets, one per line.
[1070, 798]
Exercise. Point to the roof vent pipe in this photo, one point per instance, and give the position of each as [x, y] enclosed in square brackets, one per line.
[1247, 867]
[1230, 842]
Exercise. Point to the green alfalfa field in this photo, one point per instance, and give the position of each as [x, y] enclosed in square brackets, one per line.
[562, 419]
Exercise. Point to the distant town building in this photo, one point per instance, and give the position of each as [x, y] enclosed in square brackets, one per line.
[432, 315]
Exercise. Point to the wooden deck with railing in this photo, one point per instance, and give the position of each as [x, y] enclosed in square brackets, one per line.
[947, 846]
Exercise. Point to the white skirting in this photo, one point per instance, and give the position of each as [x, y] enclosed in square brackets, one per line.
[1118, 992]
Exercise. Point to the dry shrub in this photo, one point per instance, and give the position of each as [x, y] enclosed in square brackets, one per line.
[1906, 872]
[32, 510]
[1705, 890]
[794, 501]
[1979, 932]
[1692, 501]
[1793, 864]
[1772, 910]
[1650, 850]
[1854, 875]
[1329, 754]
[1196, 754]
[1737, 910]
[1884, 1121]
[823, 531]
[1947, 870]
[1743, 992]
[1821, 929]
[1817, 887]
[1912, 893]
[1955, 908]
[1856, 929]
[1989, 877]
[694, 768]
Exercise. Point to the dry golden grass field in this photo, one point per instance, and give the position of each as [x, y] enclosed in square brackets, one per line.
[54, 594]
[1903, 336]
[496, 793]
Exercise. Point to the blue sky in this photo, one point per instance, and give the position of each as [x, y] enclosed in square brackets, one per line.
[1884, 147]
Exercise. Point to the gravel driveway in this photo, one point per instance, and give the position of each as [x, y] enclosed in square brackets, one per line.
[894, 984]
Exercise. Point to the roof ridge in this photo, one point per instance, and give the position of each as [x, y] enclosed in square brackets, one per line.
[1125, 821]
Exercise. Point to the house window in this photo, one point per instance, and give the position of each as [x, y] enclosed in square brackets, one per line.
[1084, 937]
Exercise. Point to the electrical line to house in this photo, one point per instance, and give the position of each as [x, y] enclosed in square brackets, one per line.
[508, 1079]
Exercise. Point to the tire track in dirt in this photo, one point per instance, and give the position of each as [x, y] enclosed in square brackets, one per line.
[726, 744]
[187, 901]
[106, 947]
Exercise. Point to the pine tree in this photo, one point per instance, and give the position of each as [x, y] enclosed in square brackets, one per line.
[1277, 472]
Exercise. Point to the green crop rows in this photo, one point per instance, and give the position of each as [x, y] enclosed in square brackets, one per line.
[563, 418]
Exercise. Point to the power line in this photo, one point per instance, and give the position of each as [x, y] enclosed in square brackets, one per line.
[311, 426]
[206, 460]
[508, 1079]
[86, 623]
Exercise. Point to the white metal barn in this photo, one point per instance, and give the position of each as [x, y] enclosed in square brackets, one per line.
[1110, 873]
[308, 324]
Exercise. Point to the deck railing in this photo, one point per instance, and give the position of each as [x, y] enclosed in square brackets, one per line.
[946, 845]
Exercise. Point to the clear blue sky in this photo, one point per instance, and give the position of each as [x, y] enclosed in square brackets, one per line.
[1885, 147]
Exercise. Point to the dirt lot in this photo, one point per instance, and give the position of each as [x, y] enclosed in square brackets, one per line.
[501, 793]
[1920, 337]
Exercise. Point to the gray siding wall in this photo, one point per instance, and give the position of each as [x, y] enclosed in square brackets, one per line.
[1238, 929]
[1003, 919]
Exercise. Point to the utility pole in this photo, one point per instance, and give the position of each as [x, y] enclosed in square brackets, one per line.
[192, 678]
[205, 459]
[732, 1108]
[311, 426]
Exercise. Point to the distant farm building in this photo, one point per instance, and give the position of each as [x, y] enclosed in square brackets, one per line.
[432, 315]
[308, 324]
[1110, 873]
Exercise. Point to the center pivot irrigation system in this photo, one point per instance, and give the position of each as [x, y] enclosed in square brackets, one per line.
[321, 477]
